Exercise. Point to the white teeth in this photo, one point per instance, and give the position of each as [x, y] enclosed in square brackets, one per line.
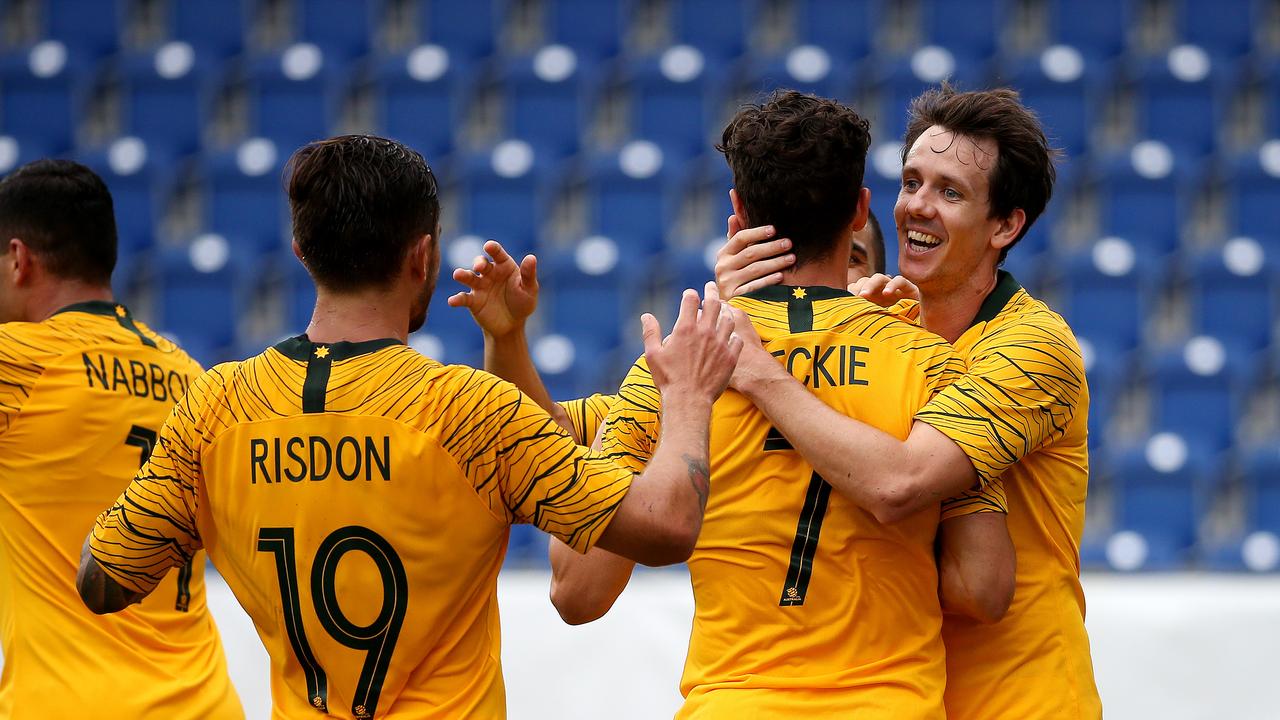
[923, 238]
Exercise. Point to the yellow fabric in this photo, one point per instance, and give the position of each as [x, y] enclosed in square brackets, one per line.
[865, 641]
[587, 414]
[80, 394]
[430, 465]
[1020, 414]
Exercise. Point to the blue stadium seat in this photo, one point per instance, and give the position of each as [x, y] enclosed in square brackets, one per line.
[292, 100]
[1098, 28]
[91, 27]
[243, 199]
[1062, 86]
[846, 29]
[421, 98]
[674, 107]
[1261, 477]
[634, 197]
[505, 194]
[215, 29]
[201, 307]
[1162, 501]
[1198, 390]
[340, 28]
[1223, 283]
[1251, 188]
[166, 109]
[548, 99]
[43, 92]
[589, 301]
[1181, 99]
[1145, 194]
[594, 29]
[140, 184]
[1108, 375]
[467, 30]
[459, 336]
[807, 69]
[1107, 292]
[721, 29]
[901, 80]
[15, 151]
[970, 29]
[1225, 29]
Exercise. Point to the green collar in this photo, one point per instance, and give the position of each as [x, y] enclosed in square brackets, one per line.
[301, 348]
[97, 307]
[779, 293]
[1006, 287]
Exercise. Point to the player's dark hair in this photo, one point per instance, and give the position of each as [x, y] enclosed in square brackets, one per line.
[1023, 174]
[797, 163]
[877, 242]
[358, 203]
[63, 211]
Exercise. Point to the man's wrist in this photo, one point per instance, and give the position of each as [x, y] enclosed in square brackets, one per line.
[513, 338]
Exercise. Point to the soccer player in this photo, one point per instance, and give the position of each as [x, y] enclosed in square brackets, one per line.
[977, 172]
[357, 495]
[804, 603]
[83, 389]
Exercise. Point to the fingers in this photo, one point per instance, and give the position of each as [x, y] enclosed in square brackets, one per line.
[494, 249]
[743, 239]
[870, 287]
[688, 316]
[710, 291]
[725, 324]
[651, 332]
[480, 265]
[901, 287]
[735, 346]
[711, 309]
[735, 226]
[529, 271]
[759, 284]
[459, 300]
[470, 279]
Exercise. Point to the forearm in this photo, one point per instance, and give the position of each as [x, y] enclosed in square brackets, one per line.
[659, 520]
[100, 593]
[507, 356]
[584, 587]
[868, 466]
[977, 566]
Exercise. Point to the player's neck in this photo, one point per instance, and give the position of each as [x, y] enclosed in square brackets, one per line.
[55, 295]
[823, 272]
[358, 316]
[949, 312]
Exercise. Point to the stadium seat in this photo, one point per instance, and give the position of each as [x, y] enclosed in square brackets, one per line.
[846, 29]
[420, 98]
[140, 183]
[294, 96]
[201, 306]
[1108, 374]
[1181, 98]
[43, 94]
[166, 99]
[1198, 391]
[243, 200]
[1261, 476]
[1107, 293]
[1062, 86]
[548, 99]
[1145, 194]
[809, 69]
[15, 151]
[215, 29]
[901, 80]
[720, 29]
[340, 28]
[92, 27]
[591, 295]
[1232, 294]
[1160, 496]
[468, 30]
[594, 29]
[633, 197]
[505, 194]
[1098, 28]
[970, 29]
[674, 101]
[1224, 29]
[1251, 189]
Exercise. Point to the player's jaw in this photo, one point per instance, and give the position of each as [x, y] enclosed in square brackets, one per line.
[923, 248]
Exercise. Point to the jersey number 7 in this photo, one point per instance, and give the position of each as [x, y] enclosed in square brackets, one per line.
[805, 544]
[377, 639]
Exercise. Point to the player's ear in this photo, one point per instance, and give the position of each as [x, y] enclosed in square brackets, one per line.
[297, 250]
[864, 208]
[421, 254]
[21, 262]
[1008, 229]
[739, 209]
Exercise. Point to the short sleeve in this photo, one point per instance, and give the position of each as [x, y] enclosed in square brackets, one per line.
[152, 525]
[1023, 385]
[586, 414]
[984, 498]
[526, 466]
[634, 422]
[18, 374]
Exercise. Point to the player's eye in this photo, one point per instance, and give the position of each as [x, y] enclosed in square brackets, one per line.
[951, 194]
[910, 184]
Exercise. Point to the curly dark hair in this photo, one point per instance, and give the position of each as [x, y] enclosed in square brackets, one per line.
[797, 164]
[1023, 174]
[63, 211]
[358, 203]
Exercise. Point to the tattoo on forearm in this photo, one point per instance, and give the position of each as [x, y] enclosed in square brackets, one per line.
[699, 478]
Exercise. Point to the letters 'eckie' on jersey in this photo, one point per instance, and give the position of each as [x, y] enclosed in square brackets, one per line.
[357, 498]
[804, 603]
[82, 395]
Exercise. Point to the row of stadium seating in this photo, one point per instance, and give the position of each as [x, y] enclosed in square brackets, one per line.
[590, 142]
[171, 97]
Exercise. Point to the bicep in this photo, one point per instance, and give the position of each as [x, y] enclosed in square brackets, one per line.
[942, 466]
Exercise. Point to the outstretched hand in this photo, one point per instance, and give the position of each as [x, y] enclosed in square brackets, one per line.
[501, 295]
[884, 290]
[697, 358]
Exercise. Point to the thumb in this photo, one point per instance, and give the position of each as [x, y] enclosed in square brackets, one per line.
[651, 332]
[529, 271]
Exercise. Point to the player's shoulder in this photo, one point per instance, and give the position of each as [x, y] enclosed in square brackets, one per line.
[1026, 319]
[27, 343]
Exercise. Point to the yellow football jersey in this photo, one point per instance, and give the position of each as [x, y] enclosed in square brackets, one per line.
[804, 604]
[357, 497]
[1021, 414]
[82, 395]
[586, 415]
